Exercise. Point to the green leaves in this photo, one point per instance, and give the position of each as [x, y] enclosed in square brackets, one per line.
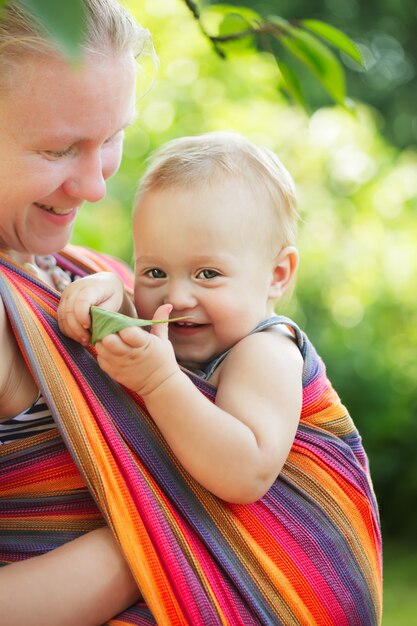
[335, 37]
[108, 322]
[319, 59]
[307, 40]
[230, 19]
[233, 23]
[292, 84]
[304, 41]
[235, 28]
[62, 21]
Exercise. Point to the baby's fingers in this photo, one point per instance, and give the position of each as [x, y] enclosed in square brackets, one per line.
[74, 319]
[161, 330]
[134, 337]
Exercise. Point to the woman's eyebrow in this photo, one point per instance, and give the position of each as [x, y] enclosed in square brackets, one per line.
[67, 138]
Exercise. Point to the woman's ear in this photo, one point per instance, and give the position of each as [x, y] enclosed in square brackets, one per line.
[284, 268]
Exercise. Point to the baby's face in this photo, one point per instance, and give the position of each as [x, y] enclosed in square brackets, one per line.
[199, 250]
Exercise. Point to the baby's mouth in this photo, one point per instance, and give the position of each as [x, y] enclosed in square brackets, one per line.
[188, 326]
[54, 209]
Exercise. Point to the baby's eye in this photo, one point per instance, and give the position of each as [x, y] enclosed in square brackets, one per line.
[206, 274]
[155, 272]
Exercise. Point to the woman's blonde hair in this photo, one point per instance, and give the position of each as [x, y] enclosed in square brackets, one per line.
[214, 158]
[107, 27]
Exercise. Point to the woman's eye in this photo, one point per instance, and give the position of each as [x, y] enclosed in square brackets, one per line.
[207, 274]
[57, 154]
[155, 272]
[118, 137]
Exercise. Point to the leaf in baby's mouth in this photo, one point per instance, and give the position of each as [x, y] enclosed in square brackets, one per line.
[104, 322]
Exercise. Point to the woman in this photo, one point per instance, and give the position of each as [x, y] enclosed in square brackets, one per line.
[307, 552]
[61, 137]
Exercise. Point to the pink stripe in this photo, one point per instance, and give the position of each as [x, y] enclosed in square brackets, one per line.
[306, 568]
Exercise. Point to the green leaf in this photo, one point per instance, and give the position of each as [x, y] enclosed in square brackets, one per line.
[292, 84]
[335, 37]
[233, 24]
[319, 59]
[62, 21]
[247, 14]
[106, 322]
[279, 21]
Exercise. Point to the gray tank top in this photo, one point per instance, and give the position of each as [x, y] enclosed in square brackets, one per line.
[275, 320]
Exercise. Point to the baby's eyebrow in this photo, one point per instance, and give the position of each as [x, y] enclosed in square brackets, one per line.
[209, 259]
[150, 260]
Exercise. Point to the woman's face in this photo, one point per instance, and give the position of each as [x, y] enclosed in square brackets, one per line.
[61, 137]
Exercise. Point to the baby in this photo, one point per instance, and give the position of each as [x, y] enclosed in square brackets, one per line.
[214, 239]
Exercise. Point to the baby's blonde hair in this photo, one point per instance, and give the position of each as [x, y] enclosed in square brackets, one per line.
[214, 158]
[108, 27]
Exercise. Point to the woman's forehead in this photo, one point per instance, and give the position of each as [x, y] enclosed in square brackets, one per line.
[40, 70]
[48, 96]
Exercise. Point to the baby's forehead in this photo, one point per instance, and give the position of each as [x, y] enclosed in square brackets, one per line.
[229, 217]
[219, 189]
[228, 200]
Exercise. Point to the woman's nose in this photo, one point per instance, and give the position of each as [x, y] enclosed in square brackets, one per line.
[87, 182]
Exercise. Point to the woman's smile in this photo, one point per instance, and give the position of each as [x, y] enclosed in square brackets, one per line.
[55, 210]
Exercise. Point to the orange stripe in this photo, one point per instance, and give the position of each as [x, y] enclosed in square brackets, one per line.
[288, 582]
[341, 501]
[111, 491]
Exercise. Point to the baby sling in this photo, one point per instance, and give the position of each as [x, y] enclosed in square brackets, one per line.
[307, 553]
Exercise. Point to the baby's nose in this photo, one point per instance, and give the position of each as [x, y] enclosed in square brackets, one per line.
[181, 296]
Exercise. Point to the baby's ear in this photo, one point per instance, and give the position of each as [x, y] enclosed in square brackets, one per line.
[284, 268]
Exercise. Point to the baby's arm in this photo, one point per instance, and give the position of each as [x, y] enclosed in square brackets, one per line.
[85, 581]
[237, 446]
[102, 289]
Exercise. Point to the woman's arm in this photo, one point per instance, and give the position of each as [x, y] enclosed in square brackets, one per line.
[84, 582]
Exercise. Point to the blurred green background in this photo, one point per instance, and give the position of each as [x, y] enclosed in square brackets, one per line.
[357, 182]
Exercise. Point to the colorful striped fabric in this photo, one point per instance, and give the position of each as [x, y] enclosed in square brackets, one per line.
[307, 553]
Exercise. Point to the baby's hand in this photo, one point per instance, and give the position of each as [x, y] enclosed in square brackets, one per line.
[137, 359]
[103, 289]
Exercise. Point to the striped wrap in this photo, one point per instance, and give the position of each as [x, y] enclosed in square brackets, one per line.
[307, 553]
